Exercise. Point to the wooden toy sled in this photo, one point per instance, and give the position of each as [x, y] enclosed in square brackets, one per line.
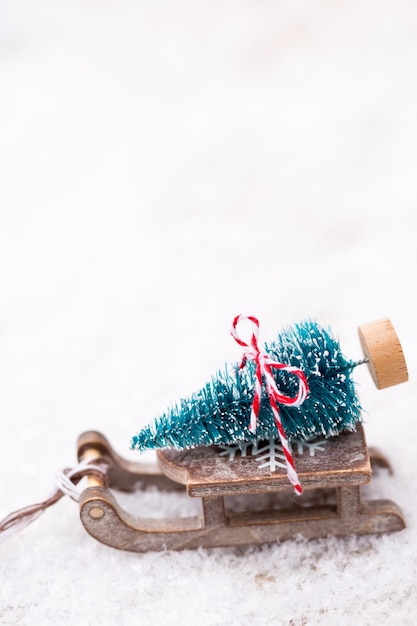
[331, 503]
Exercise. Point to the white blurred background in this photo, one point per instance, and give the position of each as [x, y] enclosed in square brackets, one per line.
[167, 165]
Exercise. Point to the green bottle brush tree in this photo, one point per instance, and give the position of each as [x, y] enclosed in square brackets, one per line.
[220, 412]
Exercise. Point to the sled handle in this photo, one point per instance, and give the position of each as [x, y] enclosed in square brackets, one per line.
[383, 350]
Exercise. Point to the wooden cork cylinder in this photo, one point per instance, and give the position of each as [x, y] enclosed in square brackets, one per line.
[382, 347]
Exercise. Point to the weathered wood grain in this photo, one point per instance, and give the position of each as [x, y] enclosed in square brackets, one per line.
[204, 472]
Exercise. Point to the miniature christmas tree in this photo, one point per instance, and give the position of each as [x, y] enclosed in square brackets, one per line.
[220, 413]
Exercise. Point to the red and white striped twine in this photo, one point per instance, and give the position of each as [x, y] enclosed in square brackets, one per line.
[264, 366]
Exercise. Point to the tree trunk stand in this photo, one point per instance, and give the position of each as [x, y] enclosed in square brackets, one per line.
[330, 504]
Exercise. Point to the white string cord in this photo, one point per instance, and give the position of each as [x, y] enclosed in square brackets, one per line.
[65, 484]
[9, 526]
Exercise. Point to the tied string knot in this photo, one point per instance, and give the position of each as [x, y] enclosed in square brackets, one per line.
[264, 366]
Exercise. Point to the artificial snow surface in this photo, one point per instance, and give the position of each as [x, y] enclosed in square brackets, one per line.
[164, 167]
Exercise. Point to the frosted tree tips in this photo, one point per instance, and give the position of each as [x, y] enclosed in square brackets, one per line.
[382, 347]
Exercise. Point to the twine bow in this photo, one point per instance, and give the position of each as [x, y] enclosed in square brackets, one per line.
[264, 366]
